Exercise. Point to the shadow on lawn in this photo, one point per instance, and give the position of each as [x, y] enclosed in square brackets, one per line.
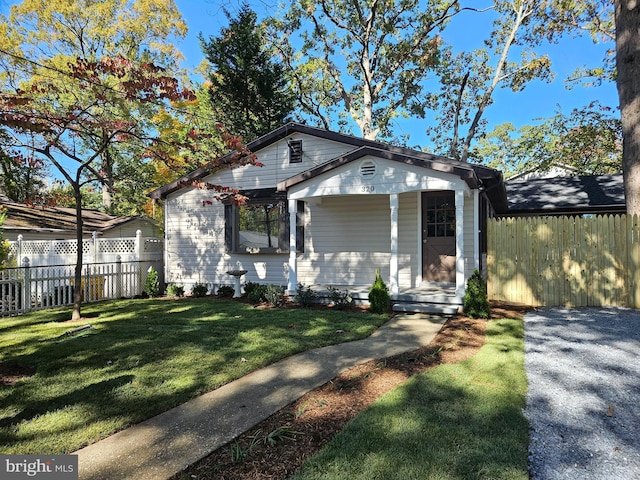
[93, 393]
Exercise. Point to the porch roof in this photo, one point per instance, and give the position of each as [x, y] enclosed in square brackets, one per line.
[465, 174]
[476, 176]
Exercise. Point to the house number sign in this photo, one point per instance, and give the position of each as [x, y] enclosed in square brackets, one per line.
[367, 189]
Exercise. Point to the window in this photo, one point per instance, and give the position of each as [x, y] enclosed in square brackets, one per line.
[440, 216]
[259, 226]
[295, 151]
[262, 226]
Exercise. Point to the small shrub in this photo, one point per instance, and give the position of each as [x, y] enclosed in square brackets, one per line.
[339, 298]
[152, 283]
[379, 298]
[249, 287]
[305, 296]
[200, 290]
[274, 295]
[175, 290]
[271, 294]
[475, 302]
[226, 291]
[256, 293]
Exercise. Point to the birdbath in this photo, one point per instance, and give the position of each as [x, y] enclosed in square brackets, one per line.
[237, 289]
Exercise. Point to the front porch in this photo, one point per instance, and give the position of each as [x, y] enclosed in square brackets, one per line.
[431, 298]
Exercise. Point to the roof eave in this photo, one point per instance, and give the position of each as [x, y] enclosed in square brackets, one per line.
[559, 211]
[432, 162]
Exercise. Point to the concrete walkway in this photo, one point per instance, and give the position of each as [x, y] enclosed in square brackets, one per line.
[164, 445]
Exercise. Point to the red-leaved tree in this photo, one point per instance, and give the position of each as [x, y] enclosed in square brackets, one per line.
[73, 115]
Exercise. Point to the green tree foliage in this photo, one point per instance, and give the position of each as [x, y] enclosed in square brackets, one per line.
[607, 21]
[589, 140]
[60, 194]
[362, 61]
[248, 89]
[80, 87]
[581, 17]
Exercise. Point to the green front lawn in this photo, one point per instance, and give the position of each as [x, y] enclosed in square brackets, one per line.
[141, 358]
[458, 421]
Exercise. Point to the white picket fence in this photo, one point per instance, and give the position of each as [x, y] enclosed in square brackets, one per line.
[112, 268]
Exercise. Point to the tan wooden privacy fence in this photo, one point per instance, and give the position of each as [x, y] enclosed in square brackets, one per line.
[570, 261]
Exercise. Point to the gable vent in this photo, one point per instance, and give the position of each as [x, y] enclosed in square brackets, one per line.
[295, 151]
[367, 169]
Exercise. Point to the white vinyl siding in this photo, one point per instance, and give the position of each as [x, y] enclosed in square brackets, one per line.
[131, 228]
[348, 237]
[357, 223]
[195, 247]
[391, 177]
[276, 166]
[195, 232]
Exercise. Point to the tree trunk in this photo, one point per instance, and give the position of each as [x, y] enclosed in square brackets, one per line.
[628, 81]
[107, 185]
[77, 294]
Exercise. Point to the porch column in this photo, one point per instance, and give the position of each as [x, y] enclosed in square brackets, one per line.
[459, 243]
[476, 229]
[394, 284]
[292, 285]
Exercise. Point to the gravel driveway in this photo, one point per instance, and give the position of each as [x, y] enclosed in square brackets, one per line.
[583, 402]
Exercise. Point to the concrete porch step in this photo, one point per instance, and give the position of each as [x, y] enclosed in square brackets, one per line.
[443, 298]
[435, 308]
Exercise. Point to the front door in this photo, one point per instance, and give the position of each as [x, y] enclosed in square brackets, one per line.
[438, 236]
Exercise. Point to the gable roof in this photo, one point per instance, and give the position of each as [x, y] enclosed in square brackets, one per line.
[476, 176]
[59, 219]
[566, 195]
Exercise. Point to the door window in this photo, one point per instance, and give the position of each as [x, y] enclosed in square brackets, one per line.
[440, 216]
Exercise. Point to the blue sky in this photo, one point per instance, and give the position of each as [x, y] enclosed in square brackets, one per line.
[539, 100]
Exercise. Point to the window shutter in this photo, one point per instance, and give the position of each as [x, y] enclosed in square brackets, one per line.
[228, 228]
[300, 227]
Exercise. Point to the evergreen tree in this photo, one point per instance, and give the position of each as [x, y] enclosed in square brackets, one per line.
[248, 89]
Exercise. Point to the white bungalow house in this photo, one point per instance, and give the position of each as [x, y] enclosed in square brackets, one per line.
[331, 209]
